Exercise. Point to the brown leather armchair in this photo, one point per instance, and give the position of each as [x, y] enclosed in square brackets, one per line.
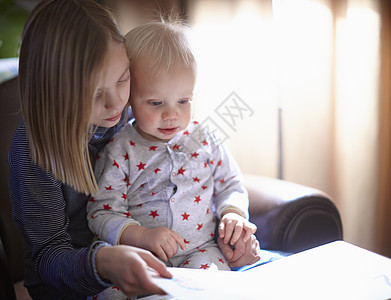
[290, 217]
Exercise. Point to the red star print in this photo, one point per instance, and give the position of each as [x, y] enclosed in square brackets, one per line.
[92, 216]
[211, 162]
[126, 156]
[141, 166]
[115, 164]
[222, 180]
[204, 187]
[152, 148]
[202, 250]
[205, 143]
[157, 170]
[197, 199]
[125, 179]
[207, 211]
[108, 188]
[132, 143]
[97, 157]
[139, 205]
[110, 141]
[185, 216]
[124, 196]
[195, 123]
[205, 267]
[186, 133]
[181, 171]
[196, 179]
[186, 263]
[91, 199]
[106, 206]
[115, 288]
[205, 164]
[186, 241]
[127, 214]
[221, 260]
[220, 163]
[153, 194]
[154, 214]
[199, 226]
[212, 235]
[176, 147]
[195, 155]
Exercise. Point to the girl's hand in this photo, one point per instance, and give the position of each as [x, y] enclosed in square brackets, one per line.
[233, 225]
[243, 253]
[127, 268]
[162, 241]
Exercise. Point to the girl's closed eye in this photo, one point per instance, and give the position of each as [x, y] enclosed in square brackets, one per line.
[124, 79]
[98, 95]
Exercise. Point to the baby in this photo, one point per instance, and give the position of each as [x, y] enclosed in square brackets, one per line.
[164, 180]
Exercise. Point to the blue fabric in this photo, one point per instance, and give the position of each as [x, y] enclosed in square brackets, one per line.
[51, 217]
[266, 257]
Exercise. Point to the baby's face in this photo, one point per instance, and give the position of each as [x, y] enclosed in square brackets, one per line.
[162, 103]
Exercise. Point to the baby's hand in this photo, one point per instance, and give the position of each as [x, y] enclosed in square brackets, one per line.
[162, 242]
[231, 227]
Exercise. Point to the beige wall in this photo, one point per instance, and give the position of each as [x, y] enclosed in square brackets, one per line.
[321, 69]
[326, 80]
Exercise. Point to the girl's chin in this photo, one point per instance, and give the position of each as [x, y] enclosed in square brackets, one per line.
[107, 124]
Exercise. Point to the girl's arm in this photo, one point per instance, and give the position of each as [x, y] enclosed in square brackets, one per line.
[51, 219]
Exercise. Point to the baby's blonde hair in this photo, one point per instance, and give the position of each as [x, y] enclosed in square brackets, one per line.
[164, 44]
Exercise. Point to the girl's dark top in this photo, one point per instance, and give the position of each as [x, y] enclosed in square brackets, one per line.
[51, 218]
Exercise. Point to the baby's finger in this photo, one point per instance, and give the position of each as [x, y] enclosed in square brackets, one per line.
[229, 229]
[253, 228]
[170, 248]
[179, 241]
[237, 234]
[247, 235]
[221, 229]
[159, 252]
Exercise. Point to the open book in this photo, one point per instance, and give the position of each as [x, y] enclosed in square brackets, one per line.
[336, 270]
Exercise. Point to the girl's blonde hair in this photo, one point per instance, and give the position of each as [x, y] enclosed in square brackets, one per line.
[164, 44]
[63, 53]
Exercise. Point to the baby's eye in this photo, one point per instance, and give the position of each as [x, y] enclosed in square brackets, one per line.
[183, 101]
[155, 102]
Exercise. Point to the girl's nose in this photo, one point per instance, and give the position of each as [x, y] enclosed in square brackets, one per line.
[113, 101]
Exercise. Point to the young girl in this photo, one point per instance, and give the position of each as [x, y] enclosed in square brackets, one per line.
[74, 88]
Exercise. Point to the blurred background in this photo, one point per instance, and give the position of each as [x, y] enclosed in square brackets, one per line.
[299, 89]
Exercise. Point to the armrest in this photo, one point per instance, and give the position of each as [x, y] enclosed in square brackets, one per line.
[291, 217]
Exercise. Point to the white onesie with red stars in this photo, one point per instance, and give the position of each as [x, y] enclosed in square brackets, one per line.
[182, 184]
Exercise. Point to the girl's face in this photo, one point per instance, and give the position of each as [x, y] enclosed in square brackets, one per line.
[161, 104]
[112, 92]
